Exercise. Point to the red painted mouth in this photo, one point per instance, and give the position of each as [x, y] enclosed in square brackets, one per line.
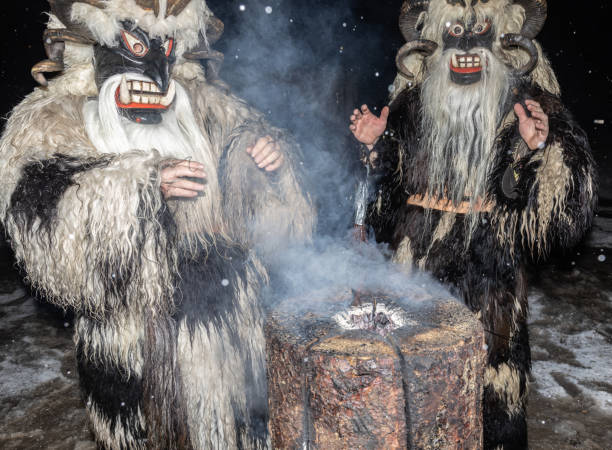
[465, 69]
[134, 105]
[466, 63]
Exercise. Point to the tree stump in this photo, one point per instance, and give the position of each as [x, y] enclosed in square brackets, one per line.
[389, 373]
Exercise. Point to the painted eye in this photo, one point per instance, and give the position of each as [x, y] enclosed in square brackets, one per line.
[456, 30]
[133, 44]
[168, 46]
[482, 27]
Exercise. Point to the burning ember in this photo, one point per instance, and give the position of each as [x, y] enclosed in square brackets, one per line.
[381, 318]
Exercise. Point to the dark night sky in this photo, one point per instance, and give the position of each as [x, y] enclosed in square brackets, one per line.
[575, 38]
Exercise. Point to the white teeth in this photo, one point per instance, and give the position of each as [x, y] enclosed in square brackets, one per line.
[469, 59]
[462, 65]
[137, 86]
[136, 98]
[454, 61]
[154, 100]
[169, 97]
[470, 64]
[154, 88]
[144, 99]
[124, 92]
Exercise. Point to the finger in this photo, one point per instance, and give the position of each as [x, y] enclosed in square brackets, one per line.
[384, 114]
[276, 164]
[269, 159]
[266, 151]
[181, 183]
[356, 112]
[364, 109]
[352, 127]
[540, 116]
[178, 192]
[534, 109]
[172, 173]
[520, 112]
[541, 127]
[260, 145]
[532, 102]
[194, 165]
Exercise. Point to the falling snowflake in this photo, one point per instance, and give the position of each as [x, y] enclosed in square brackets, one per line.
[268, 10]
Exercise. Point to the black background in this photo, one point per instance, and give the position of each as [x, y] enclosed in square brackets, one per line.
[576, 38]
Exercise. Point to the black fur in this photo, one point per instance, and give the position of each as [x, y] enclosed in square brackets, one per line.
[207, 286]
[42, 185]
[115, 395]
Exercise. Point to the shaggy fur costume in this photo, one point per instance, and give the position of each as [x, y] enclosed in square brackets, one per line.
[169, 333]
[553, 208]
[481, 256]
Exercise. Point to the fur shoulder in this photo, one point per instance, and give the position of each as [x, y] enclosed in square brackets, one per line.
[45, 123]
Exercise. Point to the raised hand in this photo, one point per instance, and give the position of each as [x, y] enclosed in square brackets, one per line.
[367, 127]
[534, 129]
[266, 154]
[174, 185]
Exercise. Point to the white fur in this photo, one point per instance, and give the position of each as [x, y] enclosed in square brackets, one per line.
[105, 24]
[459, 125]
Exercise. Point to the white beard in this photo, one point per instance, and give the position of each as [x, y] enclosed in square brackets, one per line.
[459, 125]
[177, 136]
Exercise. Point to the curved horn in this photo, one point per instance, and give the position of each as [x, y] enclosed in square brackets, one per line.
[418, 45]
[54, 41]
[409, 18]
[62, 10]
[214, 30]
[518, 40]
[203, 51]
[535, 16]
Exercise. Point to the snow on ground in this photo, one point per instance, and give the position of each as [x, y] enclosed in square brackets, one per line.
[586, 364]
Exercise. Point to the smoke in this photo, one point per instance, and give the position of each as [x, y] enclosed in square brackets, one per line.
[332, 266]
[306, 66]
[302, 64]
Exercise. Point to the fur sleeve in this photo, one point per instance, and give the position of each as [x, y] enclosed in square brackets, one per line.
[92, 233]
[556, 188]
[265, 209]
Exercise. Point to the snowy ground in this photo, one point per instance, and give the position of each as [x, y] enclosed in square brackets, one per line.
[571, 336]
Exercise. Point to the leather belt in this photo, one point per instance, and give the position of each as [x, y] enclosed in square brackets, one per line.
[444, 204]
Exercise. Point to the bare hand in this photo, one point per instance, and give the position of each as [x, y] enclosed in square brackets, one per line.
[172, 183]
[534, 129]
[266, 154]
[367, 127]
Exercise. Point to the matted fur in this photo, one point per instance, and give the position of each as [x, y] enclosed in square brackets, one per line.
[110, 245]
[483, 262]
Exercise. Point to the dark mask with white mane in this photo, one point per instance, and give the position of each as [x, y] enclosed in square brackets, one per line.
[146, 89]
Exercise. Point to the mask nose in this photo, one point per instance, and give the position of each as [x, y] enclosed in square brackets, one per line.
[158, 69]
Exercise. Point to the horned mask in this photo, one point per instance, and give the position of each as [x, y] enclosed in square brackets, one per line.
[464, 25]
[141, 37]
